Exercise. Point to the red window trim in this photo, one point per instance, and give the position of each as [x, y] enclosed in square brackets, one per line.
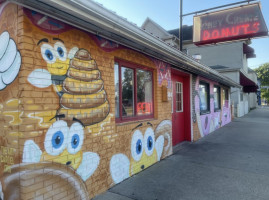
[134, 66]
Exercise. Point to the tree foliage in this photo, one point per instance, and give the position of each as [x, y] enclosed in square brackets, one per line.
[263, 74]
[265, 94]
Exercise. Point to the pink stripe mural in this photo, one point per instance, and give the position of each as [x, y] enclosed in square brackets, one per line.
[209, 122]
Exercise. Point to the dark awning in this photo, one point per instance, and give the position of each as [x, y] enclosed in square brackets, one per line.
[250, 53]
[248, 85]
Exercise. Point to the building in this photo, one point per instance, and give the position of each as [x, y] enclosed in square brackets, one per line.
[88, 99]
[229, 59]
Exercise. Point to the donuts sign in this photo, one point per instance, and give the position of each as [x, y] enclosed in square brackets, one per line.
[230, 24]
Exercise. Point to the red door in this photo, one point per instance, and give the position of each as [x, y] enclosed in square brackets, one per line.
[181, 107]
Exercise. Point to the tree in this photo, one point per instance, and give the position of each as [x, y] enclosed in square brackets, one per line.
[263, 76]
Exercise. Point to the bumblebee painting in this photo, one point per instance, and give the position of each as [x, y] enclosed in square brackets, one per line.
[146, 149]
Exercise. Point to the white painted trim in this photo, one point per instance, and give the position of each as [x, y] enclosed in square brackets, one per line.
[191, 107]
[182, 103]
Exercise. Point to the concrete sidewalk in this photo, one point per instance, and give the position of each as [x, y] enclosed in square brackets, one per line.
[231, 163]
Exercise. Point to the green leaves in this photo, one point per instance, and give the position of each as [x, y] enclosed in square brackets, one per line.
[263, 76]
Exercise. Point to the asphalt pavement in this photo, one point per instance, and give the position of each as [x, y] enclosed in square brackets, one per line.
[231, 163]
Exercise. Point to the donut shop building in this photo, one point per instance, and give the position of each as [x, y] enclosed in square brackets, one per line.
[88, 99]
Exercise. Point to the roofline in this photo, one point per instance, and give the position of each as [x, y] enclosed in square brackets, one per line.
[251, 70]
[157, 25]
[93, 17]
[228, 70]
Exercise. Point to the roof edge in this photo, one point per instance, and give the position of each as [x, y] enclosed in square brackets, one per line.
[96, 19]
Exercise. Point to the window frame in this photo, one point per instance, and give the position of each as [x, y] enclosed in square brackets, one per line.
[225, 97]
[226, 94]
[207, 85]
[181, 100]
[219, 99]
[135, 67]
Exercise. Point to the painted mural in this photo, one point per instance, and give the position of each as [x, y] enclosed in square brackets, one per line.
[147, 147]
[63, 145]
[46, 23]
[213, 120]
[164, 72]
[76, 80]
[104, 44]
[10, 60]
[59, 138]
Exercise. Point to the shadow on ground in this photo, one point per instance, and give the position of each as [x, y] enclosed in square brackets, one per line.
[231, 163]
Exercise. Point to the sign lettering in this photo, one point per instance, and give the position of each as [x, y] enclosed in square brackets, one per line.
[231, 24]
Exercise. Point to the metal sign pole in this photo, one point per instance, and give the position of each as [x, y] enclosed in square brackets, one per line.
[180, 28]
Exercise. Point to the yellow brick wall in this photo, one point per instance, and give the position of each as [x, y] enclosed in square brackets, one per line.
[107, 155]
[10, 104]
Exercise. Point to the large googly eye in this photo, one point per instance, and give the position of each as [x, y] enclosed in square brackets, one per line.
[61, 51]
[137, 145]
[149, 141]
[75, 138]
[48, 53]
[55, 140]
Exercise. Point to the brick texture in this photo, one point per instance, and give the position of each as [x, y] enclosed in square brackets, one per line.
[39, 134]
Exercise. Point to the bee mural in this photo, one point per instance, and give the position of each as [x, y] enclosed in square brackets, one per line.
[10, 60]
[146, 150]
[63, 145]
[77, 81]
[57, 61]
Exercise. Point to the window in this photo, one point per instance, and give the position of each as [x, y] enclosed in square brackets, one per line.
[204, 97]
[133, 91]
[226, 97]
[216, 98]
[226, 94]
[179, 99]
[117, 90]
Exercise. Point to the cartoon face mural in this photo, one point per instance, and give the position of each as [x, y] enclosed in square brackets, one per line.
[57, 60]
[55, 114]
[10, 60]
[77, 81]
[146, 150]
[63, 145]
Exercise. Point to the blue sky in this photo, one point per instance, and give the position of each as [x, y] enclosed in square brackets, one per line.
[167, 15]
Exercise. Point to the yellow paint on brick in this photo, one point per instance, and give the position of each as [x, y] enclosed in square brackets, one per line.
[16, 134]
[45, 118]
[64, 157]
[16, 117]
[13, 103]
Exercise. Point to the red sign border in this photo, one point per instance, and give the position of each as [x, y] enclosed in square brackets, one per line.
[232, 38]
